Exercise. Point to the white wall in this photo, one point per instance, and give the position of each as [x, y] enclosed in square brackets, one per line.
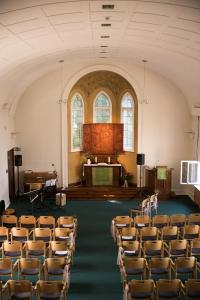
[165, 119]
[7, 141]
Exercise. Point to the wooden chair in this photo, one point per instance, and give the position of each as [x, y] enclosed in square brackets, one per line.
[140, 289]
[128, 249]
[46, 222]
[65, 234]
[186, 266]
[9, 221]
[67, 222]
[149, 233]
[6, 267]
[60, 249]
[19, 289]
[29, 267]
[12, 249]
[44, 234]
[56, 267]
[169, 233]
[49, 290]
[190, 231]
[160, 221]
[27, 221]
[35, 249]
[4, 234]
[194, 219]
[127, 234]
[142, 221]
[134, 267]
[195, 248]
[19, 234]
[192, 289]
[177, 248]
[178, 220]
[168, 289]
[120, 222]
[160, 266]
[153, 249]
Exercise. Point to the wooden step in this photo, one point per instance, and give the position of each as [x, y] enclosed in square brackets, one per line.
[105, 193]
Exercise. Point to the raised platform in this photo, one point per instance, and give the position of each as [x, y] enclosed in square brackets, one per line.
[101, 193]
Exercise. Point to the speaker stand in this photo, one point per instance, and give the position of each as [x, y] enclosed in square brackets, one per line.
[18, 181]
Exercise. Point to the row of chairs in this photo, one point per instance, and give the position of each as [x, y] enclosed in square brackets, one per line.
[166, 233]
[30, 221]
[24, 289]
[34, 268]
[46, 234]
[162, 289]
[40, 249]
[134, 267]
[159, 221]
[158, 248]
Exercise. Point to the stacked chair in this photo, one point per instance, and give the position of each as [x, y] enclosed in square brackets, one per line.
[36, 256]
[158, 255]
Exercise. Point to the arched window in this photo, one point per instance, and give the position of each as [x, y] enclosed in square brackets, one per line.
[102, 109]
[77, 119]
[127, 118]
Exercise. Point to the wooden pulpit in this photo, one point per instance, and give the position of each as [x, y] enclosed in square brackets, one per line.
[159, 180]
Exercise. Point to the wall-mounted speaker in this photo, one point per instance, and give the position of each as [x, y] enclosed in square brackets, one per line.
[18, 160]
[140, 159]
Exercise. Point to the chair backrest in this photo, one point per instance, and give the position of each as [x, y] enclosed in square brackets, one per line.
[194, 218]
[4, 233]
[192, 288]
[178, 220]
[19, 233]
[12, 249]
[46, 221]
[19, 287]
[169, 232]
[51, 288]
[44, 234]
[27, 221]
[142, 221]
[67, 221]
[141, 289]
[149, 233]
[167, 288]
[9, 221]
[35, 248]
[160, 220]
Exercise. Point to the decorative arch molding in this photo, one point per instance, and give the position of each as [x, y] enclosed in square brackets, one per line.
[65, 95]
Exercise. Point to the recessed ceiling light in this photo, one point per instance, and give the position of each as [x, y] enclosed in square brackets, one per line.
[108, 6]
[107, 18]
[106, 25]
[102, 57]
[105, 36]
[104, 46]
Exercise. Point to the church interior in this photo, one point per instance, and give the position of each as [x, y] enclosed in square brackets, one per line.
[99, 135]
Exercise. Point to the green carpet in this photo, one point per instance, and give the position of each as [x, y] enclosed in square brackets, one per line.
[94, 273]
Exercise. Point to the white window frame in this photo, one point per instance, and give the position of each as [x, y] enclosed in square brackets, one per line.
[190, 172]
[109, 107]
[122, 120]
[81, 138]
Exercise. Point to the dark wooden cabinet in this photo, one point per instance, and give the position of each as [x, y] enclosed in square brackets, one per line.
[163, 186]
[197, 195]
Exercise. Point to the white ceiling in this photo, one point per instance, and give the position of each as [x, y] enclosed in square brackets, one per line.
[165, 32]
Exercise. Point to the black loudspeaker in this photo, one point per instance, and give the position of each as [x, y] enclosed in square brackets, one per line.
[18, 160]
[140, 159]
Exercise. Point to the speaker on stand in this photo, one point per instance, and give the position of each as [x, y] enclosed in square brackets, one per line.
[140, 162]
[18, 163]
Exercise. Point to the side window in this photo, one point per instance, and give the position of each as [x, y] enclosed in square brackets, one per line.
[77, 119]
[127, 118]
[102, 109]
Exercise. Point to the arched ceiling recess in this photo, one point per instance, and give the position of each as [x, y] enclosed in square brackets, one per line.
[35, 34]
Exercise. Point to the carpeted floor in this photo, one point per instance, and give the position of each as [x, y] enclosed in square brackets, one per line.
[94, 273]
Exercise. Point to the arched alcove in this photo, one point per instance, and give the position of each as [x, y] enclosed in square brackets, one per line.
[89, 86]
